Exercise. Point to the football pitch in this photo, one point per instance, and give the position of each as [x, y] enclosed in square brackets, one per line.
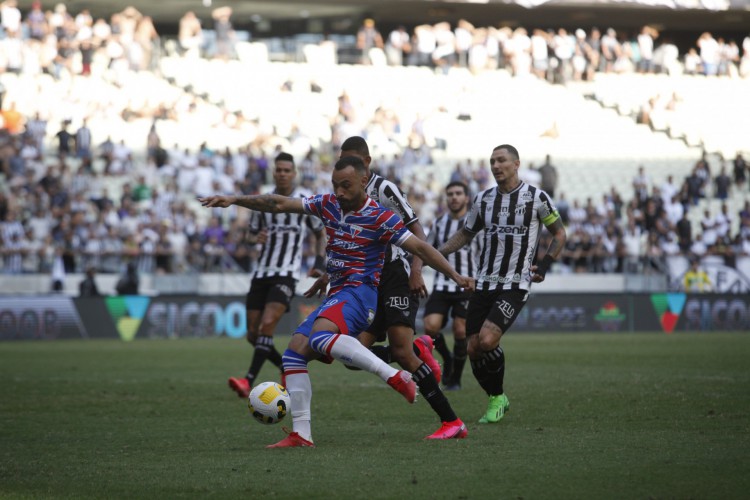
[592, 416]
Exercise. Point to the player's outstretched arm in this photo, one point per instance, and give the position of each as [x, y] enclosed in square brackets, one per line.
[559, 237]
[456, 242]
[261, 202]
[436, 260]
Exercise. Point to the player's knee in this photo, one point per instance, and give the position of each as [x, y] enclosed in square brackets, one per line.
[267, 327]
[459, 331]
[402, 354]
[472, 348]
[488, 343]
[298, 343]
[431, 327]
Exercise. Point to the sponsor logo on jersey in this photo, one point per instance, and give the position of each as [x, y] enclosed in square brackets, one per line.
[516, 278]
[285, 228]
[526, 196]
[348, 245]
[522, 230]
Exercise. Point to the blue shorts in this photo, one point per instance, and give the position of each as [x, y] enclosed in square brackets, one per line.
[351, 309]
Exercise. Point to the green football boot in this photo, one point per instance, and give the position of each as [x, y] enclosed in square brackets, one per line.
[496, 409]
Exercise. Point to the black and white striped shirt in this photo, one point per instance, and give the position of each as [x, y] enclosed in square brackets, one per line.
[462, 260]
[281, 255]
[390, 196]
[512, 226]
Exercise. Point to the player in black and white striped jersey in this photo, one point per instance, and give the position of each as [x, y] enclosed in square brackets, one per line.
[272, 288]
[400, 288]
[511, 216]
[446, 298]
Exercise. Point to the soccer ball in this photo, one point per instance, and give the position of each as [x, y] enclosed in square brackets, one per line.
[269, 402]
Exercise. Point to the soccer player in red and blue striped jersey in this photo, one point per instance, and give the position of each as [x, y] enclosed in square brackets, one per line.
[359, 231]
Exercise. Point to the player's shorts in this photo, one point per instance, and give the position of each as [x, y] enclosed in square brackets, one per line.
[351, 309]
[444, 302]
[501, 307]
[274, 289]
[396, 304]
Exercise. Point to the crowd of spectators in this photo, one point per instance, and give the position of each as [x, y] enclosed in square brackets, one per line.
[58, 214]
[636, 233]
[556, 55]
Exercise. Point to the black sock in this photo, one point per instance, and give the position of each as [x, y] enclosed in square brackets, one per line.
[495, 363]
[442, 348]
[459, 360]
[479, 368]
[428, 387]
[275, 357]
[263, 348]
[383, 352]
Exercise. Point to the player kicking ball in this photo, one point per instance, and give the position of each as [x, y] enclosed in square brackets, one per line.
[358, 231]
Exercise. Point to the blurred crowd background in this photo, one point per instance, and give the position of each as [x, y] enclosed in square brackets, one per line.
[111, 129]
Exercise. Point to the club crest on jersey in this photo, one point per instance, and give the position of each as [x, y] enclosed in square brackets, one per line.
[520, 209]
[350, 229]
[355, 230]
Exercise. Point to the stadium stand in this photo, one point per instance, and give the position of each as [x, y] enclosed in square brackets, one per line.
[167, 124]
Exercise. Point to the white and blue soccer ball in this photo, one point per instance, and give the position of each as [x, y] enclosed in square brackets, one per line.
[269, 402]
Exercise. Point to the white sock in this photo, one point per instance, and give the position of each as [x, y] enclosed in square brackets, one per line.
[348, 350]
[300, 391]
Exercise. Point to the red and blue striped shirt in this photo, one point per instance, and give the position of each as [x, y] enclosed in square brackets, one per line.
[356, 240]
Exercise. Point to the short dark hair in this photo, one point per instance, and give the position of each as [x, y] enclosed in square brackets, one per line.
[351, 161]
[510, 149]
[459, 184]
[357, 144]
[284, 157]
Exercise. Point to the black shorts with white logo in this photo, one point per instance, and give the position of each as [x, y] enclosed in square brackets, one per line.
[275, 289]
[396, 305]
[501, 307]
[443, 303]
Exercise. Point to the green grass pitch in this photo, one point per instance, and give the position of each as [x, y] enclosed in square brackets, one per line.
[592, 416]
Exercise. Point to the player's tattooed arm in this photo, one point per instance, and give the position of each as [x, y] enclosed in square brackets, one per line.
[539, 271]
[559, 237]
[261, 202]
[459, 240]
